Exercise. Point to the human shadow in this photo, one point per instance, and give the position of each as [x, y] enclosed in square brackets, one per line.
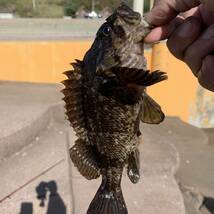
[26, 208]
[46, 191]
[55, 202]
[209, 204]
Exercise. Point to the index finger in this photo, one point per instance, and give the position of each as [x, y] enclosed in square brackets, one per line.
[166, 10]
[163, 32]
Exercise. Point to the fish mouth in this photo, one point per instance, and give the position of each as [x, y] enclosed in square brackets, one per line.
[126, 13]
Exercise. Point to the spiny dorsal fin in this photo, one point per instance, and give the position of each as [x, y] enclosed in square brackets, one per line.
[150, 111]
[139, 76]
[73, 99]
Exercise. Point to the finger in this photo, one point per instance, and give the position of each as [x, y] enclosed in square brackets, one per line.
[184, 36]
[163, 32]
[202, 47]
[160, 14]
[164, 11]
[206, 15]
[201, 12]
[208, 4]
[206, 74]
[192, 12]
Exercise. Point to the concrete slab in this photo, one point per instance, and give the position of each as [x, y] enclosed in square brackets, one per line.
[38, 170]
[25, 111]
[210, 133]
[196, 171]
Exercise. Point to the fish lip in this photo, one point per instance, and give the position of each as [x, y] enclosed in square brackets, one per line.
[126, 13]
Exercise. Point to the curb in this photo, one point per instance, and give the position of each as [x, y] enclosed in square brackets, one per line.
[24, 136]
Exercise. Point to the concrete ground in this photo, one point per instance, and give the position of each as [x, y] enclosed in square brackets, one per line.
[37, 176]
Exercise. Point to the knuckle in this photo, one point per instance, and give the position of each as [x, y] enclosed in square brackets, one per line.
[191, 58]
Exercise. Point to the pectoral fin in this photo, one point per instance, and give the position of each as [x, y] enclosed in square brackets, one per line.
[83, 158]
[133, 169]
[150, 111]
[139, 76]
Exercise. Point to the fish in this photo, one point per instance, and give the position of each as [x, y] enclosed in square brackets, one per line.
[106, 99]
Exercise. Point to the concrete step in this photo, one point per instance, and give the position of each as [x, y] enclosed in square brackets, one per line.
[40, 169]
[26, 109]
[196, 171]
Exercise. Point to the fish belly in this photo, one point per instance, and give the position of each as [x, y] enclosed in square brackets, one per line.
[113, 127]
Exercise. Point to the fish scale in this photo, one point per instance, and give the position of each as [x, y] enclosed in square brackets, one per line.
[105, 100]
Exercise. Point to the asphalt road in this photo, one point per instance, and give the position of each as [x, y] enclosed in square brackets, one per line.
[48, 29]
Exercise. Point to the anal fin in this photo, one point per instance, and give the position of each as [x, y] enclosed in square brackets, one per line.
[84, 159]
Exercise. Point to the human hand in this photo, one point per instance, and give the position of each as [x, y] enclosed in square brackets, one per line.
[190, 36]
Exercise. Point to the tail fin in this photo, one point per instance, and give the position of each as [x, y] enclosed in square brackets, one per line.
[108, 202]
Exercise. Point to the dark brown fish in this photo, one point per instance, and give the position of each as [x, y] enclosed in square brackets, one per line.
[106, 100]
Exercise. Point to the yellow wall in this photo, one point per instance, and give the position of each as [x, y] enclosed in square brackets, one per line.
[177, 95]
[38, 61]
[45, 61]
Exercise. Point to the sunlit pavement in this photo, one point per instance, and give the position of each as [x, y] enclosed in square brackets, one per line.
[37, 175]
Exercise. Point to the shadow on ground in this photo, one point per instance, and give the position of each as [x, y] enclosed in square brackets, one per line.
[26, 208]
[46, 191]
[209, 204]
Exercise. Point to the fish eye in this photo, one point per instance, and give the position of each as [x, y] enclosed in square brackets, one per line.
[107, 30]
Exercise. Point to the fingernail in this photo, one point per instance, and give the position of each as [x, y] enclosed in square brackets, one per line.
[185, 29]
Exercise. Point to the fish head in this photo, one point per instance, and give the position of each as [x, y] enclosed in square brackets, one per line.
[119, 41]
